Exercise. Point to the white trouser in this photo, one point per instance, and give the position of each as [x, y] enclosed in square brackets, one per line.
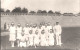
[58, 39]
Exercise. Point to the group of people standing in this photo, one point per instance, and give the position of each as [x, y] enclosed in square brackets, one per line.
[35, 35]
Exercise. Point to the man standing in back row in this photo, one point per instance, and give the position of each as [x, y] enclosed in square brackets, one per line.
[58, 30]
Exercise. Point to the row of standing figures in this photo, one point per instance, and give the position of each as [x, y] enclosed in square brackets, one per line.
[44, 38]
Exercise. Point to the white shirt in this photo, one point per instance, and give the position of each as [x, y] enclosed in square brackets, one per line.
[12, 29]
[34, 29]
[30, 28]
[43, 37]
[43, 27]
[51, 35]
[23, 38]
[39, 31]
[19, 29]
[46, 32]
[36, 36]
[49, 27]
[26, 30]
[31, 37]
[57, 29]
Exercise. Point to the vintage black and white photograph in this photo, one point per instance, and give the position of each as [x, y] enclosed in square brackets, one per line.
[40, 24]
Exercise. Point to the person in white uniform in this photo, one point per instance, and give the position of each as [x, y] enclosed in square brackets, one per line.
[43, 38]
[19, 31]
[30, 36]
[23, 40]
[34, 28]
[12, 34]
[39, 32]
[43, 27]
[58, 31]
[36, 38]
[26, 33]
[34, 31]
[47, 31]
[46, 34]
[49, 26]
[51, 38]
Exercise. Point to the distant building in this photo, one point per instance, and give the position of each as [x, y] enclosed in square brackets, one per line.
[68, 14]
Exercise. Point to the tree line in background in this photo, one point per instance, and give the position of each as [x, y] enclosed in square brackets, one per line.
[25, 10]
[17, 10]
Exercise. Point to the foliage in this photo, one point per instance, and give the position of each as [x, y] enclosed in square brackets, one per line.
[50, 12]
[24, 10]
[32, 12]
[17, 9]
[7, 10]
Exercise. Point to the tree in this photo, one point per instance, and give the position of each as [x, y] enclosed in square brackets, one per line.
[44, 12]
[17, 9]
[50, 12]
[1, 10]
[24, 10]
[32, 12]
[39, 11]
[57, 13]
[7, 10]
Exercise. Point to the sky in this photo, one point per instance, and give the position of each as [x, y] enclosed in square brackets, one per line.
[63, 6]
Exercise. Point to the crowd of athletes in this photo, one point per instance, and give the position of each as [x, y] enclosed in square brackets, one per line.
[35, 35]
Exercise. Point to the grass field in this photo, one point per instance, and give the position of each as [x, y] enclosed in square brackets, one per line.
[70, 30]
[70, 40]
[65, 21]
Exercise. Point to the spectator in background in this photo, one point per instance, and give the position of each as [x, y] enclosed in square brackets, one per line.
[8, 26]
[5, 26]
